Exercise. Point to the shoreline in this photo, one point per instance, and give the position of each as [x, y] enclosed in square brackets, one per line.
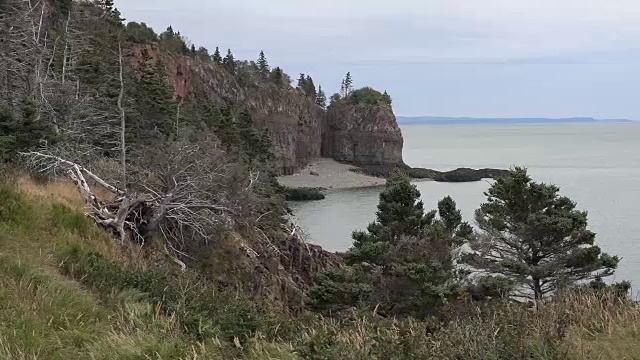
[325, 173]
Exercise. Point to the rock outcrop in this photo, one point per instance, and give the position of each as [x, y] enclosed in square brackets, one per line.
[293, 120]
[363, 134]
[300, 130]
[285, 277]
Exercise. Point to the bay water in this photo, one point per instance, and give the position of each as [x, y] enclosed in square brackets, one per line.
[596, 165]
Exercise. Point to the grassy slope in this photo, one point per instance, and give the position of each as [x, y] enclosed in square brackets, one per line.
[45, 314]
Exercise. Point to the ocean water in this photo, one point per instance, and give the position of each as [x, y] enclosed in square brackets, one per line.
[596, 165]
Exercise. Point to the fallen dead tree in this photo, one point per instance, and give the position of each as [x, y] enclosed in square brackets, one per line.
[181, 192]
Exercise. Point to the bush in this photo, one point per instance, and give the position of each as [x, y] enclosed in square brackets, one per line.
[303, 194]
[368, 96]
[13, 207]
[204, 310]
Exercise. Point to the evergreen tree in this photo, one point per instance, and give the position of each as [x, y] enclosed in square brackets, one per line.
[310, 88]
[153, 112]
[263, 66]
[334, 99]
[245, 127]
[217, 58]
[168, 34]
[225, 128]
[403, 264]
[386, 98]
[229, 62]
[347, 85]
[321, 99]
[23, 132]
[400, 212]
[277, 77]
[535, 238]
[302, 81]
[193, 49]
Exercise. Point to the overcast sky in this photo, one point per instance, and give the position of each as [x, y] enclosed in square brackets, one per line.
[482, 58]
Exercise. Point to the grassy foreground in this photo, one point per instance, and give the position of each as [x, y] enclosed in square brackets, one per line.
[68, 292]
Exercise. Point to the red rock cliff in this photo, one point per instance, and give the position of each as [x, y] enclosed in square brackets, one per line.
[363, 135]
[300, 130]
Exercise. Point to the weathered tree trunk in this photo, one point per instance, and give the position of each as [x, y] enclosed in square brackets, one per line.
[537, 289]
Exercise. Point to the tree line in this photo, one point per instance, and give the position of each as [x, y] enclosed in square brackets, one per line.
[530, 243]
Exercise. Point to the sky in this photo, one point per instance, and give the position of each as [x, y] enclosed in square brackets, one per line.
[478, 58]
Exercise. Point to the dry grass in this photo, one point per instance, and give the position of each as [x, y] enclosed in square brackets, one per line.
[59, 190]
[46, 315]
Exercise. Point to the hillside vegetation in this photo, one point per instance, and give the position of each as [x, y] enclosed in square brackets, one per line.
[68, 291]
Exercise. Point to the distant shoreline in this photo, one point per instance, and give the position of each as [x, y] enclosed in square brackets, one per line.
[432, 120]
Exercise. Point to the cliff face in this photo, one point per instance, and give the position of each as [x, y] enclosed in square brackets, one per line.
[363, 135]
[300, 130]
[293, 120]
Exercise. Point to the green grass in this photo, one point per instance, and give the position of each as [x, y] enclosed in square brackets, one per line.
[67, 291]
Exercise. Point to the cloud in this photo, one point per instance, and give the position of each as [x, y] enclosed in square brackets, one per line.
[409, 30]
[469, 57]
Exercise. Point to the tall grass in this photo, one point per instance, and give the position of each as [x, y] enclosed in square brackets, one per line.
[67, 291]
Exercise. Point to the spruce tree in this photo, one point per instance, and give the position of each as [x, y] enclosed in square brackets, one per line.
[348, 84]
[263, 66]
[226, 130]
[217, 58]
[310, 88]
[24, 131]
[536, 238]
[153, 112]
[229, 62]
[400, 213]
[277, 76]
[302, 81]
[334, 99]
[403, 265]
[321, 99]
[386, 98]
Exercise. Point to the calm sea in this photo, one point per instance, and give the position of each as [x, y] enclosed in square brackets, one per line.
[597, 165]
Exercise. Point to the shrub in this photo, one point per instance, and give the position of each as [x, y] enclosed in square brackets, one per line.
[303, 194]
[204, 310]
[13, 207]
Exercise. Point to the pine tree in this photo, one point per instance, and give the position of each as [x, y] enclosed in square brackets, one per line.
[217, 58]
[321, 99]
[229, 62]
[263, 66]
[23, 132]
[310, 88]
[154, 110]
[400, 213]
[386, 98]
[403, 265]
[334, 99]
[302, 81]
[168, 34]
[347, 85]
[535, 238]
[226, 129]
[277, 76]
